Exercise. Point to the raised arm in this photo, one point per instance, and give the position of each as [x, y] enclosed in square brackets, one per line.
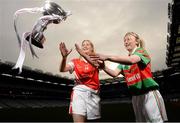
[128, 60]
[64, 52]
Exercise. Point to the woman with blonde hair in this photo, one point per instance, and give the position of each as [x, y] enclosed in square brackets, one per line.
[85, 100]
[148, 103]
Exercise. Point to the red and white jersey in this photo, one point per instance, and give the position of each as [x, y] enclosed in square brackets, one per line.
[85, 73]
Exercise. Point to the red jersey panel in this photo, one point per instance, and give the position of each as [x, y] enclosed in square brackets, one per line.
[86, 74]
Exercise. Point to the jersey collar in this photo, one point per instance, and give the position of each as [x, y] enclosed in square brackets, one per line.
[133, 51]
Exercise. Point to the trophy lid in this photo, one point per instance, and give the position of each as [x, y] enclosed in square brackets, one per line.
[51, 8]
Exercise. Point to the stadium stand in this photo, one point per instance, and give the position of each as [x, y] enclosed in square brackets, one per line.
[31, 85]
[172, 74]
[36, 89]
[173, 37]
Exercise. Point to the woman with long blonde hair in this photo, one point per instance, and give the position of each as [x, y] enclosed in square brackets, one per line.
[85, 100]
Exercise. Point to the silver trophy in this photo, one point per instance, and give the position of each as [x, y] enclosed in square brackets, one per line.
[52, 13]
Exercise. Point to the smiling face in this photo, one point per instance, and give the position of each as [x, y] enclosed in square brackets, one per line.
[130, 42]
[87, 47]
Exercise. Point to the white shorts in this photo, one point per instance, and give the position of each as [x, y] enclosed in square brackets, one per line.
[86, 103]
[149, 107]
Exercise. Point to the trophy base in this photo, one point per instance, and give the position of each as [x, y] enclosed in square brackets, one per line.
[34, 42]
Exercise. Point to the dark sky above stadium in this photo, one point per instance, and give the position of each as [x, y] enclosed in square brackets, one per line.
[104, 22]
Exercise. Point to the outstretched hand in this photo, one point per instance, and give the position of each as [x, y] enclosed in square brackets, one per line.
[64, 51]
[100, 57]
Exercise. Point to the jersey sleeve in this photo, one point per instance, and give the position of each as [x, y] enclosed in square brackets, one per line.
[145, 59]
[120, 66]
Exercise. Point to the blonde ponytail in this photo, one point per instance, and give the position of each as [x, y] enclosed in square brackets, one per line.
[141, 43]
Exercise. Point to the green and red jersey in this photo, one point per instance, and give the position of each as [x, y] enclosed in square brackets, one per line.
[138, 76]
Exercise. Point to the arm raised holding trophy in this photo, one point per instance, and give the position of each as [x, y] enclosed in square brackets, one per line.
[52, 13]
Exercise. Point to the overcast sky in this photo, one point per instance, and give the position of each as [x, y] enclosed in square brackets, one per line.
[104, 22]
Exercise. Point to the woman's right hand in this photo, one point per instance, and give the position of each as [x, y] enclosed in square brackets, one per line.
[64, 51]
[98, 56]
